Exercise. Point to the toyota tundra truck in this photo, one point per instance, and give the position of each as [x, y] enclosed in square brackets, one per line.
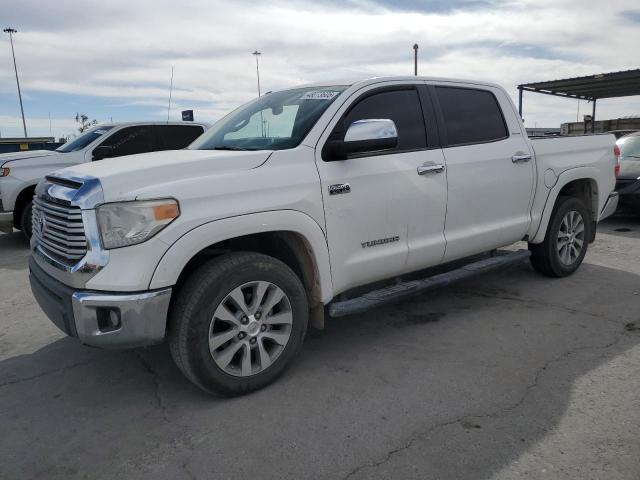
[20, 172]
[304, 202]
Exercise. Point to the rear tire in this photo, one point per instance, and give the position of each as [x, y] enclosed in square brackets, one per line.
[237, 323]
[26, 220]
[566, 241]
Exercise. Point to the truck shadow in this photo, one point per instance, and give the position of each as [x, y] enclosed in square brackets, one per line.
[433, 378]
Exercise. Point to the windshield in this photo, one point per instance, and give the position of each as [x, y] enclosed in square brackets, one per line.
[83, 140]
[275, 121]
[630, 146]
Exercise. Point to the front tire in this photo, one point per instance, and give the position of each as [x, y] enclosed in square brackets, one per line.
[566, 241]
[26, 224]
[237, 323]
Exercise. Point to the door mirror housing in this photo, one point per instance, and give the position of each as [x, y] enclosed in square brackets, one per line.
[102, 151]
[364, 136]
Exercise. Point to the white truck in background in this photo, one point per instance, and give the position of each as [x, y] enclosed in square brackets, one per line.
[290, 206]
[20, 172]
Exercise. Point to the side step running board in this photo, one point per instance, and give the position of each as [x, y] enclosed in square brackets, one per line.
[401, 291]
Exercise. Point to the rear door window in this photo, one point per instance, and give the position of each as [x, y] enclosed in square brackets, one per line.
[470, 116]
[177, 137]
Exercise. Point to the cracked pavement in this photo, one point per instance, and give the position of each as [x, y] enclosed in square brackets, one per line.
[508, 375]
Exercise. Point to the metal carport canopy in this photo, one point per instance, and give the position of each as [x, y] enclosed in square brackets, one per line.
[591, 88]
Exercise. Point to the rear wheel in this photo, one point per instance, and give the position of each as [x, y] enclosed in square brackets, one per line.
[237, 323]
[566, 241]
[25, 220]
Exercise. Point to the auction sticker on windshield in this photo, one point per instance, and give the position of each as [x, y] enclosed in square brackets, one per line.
[319, 95]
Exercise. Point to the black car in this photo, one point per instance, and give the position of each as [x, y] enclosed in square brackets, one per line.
[628, 182]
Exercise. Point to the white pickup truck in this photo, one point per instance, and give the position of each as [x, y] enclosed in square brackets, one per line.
[21, 171]
[232, 247]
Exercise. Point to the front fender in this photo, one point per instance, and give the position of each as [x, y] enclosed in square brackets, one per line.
[537, 232]
[186, 247]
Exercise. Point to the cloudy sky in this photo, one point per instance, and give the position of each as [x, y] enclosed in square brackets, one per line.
[112, 59]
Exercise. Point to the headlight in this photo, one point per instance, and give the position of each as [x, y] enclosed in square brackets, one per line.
[129, 223]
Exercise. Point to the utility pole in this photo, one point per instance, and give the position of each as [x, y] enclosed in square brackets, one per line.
[170, 92]
[257, 54]
[415, 59]
[11, 31]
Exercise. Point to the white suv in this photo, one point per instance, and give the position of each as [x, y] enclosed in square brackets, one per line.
[21, 171]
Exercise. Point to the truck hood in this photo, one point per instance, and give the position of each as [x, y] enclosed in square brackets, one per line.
[11, 157]
[128, 178]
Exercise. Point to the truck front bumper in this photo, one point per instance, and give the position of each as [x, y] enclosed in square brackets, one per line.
[102, 319]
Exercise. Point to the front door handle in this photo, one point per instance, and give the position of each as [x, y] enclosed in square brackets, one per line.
[430, 168]
[517, 158]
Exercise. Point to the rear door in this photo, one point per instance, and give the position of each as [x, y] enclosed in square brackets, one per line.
[382, 217]
[490, 171]
[177, 137]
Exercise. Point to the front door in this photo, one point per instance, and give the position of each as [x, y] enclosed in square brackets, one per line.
[383, 217]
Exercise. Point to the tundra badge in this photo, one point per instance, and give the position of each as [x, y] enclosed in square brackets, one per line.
[380, 241]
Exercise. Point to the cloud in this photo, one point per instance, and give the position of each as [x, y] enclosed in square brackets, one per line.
[120, 53]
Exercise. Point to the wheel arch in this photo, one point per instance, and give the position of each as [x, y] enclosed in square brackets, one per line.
[290, 236]
[579, 182]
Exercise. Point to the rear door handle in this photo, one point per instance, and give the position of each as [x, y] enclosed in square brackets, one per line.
[430, 168]
[521, 158]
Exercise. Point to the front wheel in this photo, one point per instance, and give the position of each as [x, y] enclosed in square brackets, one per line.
[566, 241]
[237, 322]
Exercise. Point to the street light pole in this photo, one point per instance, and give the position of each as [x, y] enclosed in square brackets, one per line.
[257, 54]
[11, 31]
[415, 59]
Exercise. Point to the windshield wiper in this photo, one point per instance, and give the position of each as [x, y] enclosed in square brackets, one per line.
[227, 147]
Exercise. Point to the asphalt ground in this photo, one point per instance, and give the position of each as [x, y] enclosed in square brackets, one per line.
[505, 376]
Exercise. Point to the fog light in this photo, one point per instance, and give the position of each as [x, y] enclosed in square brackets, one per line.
[108, 319]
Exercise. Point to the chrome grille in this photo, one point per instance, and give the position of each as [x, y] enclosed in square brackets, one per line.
[59, 230]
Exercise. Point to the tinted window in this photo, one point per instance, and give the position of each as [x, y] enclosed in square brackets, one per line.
[470, 116]
[132, 140]
[401, 106]
[176, 137]
[83, 140]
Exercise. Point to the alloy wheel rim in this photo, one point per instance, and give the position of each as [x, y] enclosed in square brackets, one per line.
[250, 328]
[570, 237]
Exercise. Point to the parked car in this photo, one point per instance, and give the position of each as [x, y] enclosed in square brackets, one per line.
[232, 247]
[628, 182]
[21, 171]
[621, 133]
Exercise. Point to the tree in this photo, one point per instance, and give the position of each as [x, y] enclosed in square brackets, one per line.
[84, 122]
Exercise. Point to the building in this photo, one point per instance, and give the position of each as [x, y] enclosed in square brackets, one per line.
[17, 144]
[601, 126]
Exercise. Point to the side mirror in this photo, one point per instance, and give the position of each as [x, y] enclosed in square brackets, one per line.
[102, 151]
[364, 136]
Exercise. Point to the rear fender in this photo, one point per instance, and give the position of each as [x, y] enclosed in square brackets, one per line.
[538, 230]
